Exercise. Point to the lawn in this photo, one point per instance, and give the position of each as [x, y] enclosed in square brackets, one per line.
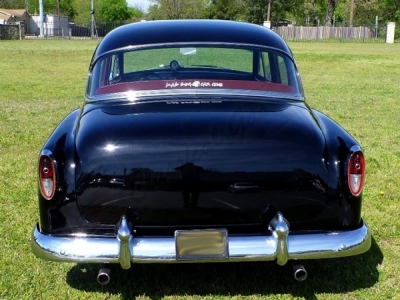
[358, 85]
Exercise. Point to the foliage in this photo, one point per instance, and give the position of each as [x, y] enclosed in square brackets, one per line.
[366, 11]
[114, 10]
[330, 12]
[392, 9]
[51, 7]
[9, 4]
[135, 13]
[256, 11]
[226, 9]
[283, 9]
[83, 8]
[307, 12]
[79, 10]
[105, 11]
[176, 9]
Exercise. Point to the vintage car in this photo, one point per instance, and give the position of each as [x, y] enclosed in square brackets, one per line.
[177, 114]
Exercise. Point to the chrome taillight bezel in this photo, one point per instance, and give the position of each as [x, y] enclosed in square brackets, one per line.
[356, 171]
[52, 179]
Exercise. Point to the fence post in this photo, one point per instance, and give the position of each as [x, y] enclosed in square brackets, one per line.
[390, 32]
[363, 33]
[294, 32]
[267, 24]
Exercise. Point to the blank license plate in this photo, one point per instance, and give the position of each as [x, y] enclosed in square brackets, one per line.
[201, 244]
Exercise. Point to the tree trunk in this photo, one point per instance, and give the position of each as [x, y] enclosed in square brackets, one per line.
[331, 10]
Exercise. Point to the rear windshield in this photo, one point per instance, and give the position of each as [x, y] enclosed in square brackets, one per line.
[202, 67]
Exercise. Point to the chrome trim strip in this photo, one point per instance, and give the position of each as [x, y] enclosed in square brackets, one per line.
[133, 96]
[191, 44]
[279, 246]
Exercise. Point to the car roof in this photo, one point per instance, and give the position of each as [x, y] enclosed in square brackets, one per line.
[175, 31]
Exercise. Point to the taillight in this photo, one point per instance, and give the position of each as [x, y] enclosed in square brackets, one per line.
[47, 177]
[356, 172]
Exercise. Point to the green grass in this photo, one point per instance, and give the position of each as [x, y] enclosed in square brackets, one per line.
[358, 85]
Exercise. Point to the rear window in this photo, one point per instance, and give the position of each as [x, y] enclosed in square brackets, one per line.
[199, 67]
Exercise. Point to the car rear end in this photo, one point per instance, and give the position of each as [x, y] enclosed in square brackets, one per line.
[198, 151]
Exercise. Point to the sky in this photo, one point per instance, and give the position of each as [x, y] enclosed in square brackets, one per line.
[142, 4]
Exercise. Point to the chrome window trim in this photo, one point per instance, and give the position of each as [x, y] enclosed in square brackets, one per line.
[221, 94]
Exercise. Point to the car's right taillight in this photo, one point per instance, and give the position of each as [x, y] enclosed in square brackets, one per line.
[356, 172]
[47, 177]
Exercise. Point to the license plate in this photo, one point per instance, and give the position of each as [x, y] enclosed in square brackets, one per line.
[201, 244]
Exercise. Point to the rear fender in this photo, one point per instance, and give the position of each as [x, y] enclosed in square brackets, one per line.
[60, 147]
[339, 146]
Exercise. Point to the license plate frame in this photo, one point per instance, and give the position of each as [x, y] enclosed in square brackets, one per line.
[208, 244]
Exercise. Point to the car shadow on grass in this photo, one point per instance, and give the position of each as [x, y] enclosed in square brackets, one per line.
[229, 279]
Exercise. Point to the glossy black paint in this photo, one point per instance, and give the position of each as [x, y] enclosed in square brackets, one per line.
[171, 167]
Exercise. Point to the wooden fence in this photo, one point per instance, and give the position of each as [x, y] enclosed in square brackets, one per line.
[302, 33]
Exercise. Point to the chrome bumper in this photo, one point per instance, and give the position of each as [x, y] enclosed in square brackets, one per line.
[126, 248]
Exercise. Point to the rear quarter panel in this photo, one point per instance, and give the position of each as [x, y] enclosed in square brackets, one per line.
[338, 146]
[61, 146]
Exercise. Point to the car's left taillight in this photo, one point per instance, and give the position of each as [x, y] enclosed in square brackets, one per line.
[47, 177]
[356, 172]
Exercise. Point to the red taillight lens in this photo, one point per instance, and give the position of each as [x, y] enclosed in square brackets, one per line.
[47, 178]
[356, 173]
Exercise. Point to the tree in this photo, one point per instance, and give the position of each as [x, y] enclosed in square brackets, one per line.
[176, 9]
[195, 9]
[225, 10]
[105, 11]
[285, 10]
[67, 8]
[166, 9]
[154, 12]
[136, 14]
[391, 9]
[114, 10]
[82, 16]
[366, 11]
[32, 6]
[173, 9]
[256, 11]
[51, 7]
[12, 4]
[330, 13]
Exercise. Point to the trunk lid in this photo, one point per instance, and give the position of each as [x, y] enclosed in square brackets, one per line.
[174, 167]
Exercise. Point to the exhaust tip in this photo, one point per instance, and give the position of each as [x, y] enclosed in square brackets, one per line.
[103, 277]
[299, 273]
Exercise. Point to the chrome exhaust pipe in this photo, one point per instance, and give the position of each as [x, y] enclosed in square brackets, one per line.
[103, 277]
[299, 272]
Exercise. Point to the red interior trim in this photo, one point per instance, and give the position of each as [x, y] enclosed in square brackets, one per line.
[194, 84]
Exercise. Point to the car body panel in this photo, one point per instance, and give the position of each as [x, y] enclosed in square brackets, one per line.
[280, 151]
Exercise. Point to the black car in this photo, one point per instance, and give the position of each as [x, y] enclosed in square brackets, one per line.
[177, 115]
